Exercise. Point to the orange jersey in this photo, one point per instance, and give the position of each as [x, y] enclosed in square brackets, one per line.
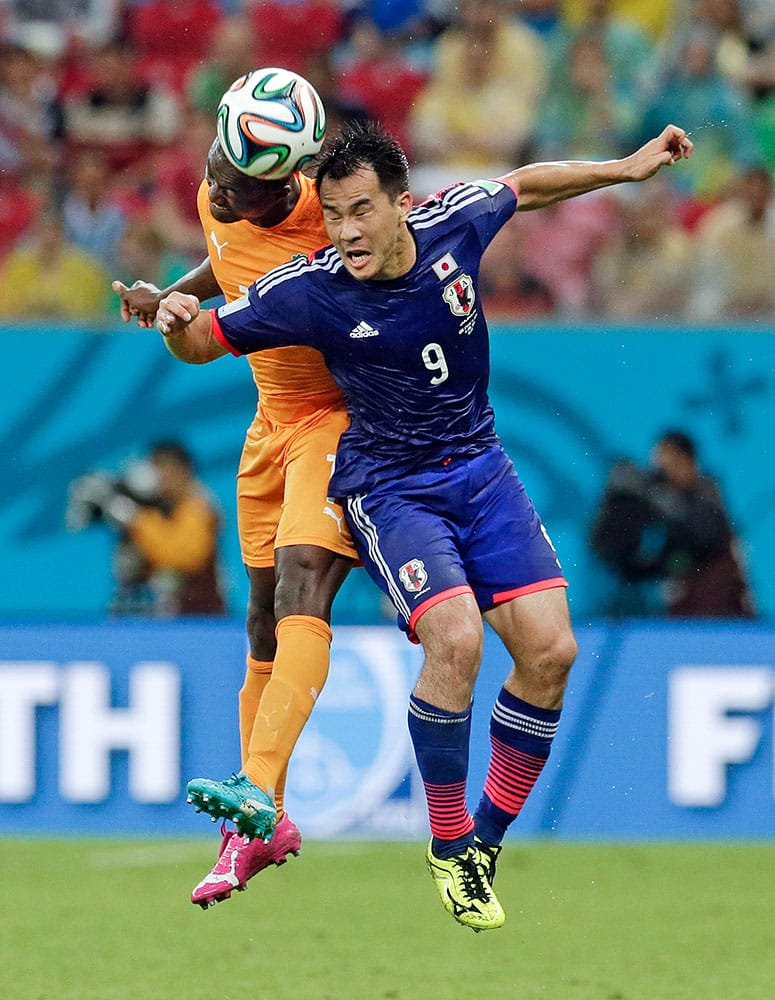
[292, 382]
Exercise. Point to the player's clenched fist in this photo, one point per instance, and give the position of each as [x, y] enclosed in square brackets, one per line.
[175, 312]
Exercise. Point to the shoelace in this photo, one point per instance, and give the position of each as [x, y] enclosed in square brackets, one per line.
[472, 877]
[235, 779]
[489, 860]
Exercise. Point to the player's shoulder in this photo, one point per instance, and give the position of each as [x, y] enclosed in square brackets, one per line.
[296, 274]
[461, 199]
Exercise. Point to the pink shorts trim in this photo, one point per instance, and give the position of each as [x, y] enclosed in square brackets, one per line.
[531, 588]
[420, 610]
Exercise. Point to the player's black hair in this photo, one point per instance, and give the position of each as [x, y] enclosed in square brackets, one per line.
[364, 144]
[680, 441]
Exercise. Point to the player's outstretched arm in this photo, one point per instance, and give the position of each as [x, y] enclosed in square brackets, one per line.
[142, 299]
[541, 184]
[188, 329]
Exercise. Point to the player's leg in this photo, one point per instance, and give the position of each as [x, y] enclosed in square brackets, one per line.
[259, 499]
[313, 555]
[314, 527]
[440, 726]
[309, 577]
[536, 630]
[513, 568]
[410, 553]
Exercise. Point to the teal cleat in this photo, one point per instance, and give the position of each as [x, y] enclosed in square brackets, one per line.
[464, 889]
[237, 799]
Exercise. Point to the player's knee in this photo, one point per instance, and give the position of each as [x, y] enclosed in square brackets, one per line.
[260, 625]
[455, 649]
[304, 591]
[296, 594]
[563, 652]
[551, 662]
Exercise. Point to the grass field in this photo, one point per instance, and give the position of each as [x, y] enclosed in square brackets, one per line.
[111, 920]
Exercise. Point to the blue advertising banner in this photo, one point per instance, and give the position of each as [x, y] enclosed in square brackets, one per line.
[568, 402]
[667, 732]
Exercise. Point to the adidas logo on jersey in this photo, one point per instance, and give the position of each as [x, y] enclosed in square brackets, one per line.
[363, 330]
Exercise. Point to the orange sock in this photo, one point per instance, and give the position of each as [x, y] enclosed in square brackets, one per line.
[257, 676]
[299, 673]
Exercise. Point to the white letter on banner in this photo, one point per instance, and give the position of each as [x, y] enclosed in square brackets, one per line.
[703, 737]
[149, 729]
[23, 686]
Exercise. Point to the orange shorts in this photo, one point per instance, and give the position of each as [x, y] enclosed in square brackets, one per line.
[282, 487]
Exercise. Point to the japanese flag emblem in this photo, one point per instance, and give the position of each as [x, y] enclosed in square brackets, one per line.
[444, 266]
[460, 295]
[413, 576]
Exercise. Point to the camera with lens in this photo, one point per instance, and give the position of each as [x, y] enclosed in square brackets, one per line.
[633, 527]
[112, 498]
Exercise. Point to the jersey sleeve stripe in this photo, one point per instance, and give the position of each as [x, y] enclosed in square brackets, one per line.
[329, 261]
[425, 216]
[219, 335]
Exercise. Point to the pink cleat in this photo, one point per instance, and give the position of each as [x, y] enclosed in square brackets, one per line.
[239, 859]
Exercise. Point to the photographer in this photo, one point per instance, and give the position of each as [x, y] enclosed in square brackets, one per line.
[165, 561]
[668, 524]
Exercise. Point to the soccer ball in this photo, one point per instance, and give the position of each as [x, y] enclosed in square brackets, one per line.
[270, 123]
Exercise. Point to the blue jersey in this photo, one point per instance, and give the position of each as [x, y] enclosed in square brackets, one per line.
[410, 354]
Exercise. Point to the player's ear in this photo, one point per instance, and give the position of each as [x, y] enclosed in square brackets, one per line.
[405, 205]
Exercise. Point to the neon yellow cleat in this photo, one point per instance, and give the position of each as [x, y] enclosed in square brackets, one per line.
[464, 889]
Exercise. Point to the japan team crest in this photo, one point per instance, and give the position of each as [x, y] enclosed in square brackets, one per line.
[413, 576]
[460, 295]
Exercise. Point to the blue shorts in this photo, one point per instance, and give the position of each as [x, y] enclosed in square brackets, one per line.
[463, 527]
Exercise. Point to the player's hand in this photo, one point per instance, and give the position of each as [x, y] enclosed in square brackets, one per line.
[141, 300]
[671, 145]
[175, 312]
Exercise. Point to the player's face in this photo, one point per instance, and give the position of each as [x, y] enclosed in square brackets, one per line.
[235, 196]
[368, 227]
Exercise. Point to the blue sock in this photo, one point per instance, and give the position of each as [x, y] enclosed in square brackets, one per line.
[521, 737]
[440, 740]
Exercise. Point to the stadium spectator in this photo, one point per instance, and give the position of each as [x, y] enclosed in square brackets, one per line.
[44, 276]
[628, 48]
[94, 221]
[170, 197]
[644, 270]
[589, 109]
[235, 49]
[168, 526]
[476, 113]
[292, 31]
[144, 253]
[23, 197]
[745, 54]
[171, 38]
[380, 79]
[554, 253]
[31, 121]
[735, 247]
[440, 520]
[118, 114]
[693, 90]
[668, 524]
[53, 26]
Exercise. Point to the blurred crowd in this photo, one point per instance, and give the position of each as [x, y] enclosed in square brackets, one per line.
[107, 110]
